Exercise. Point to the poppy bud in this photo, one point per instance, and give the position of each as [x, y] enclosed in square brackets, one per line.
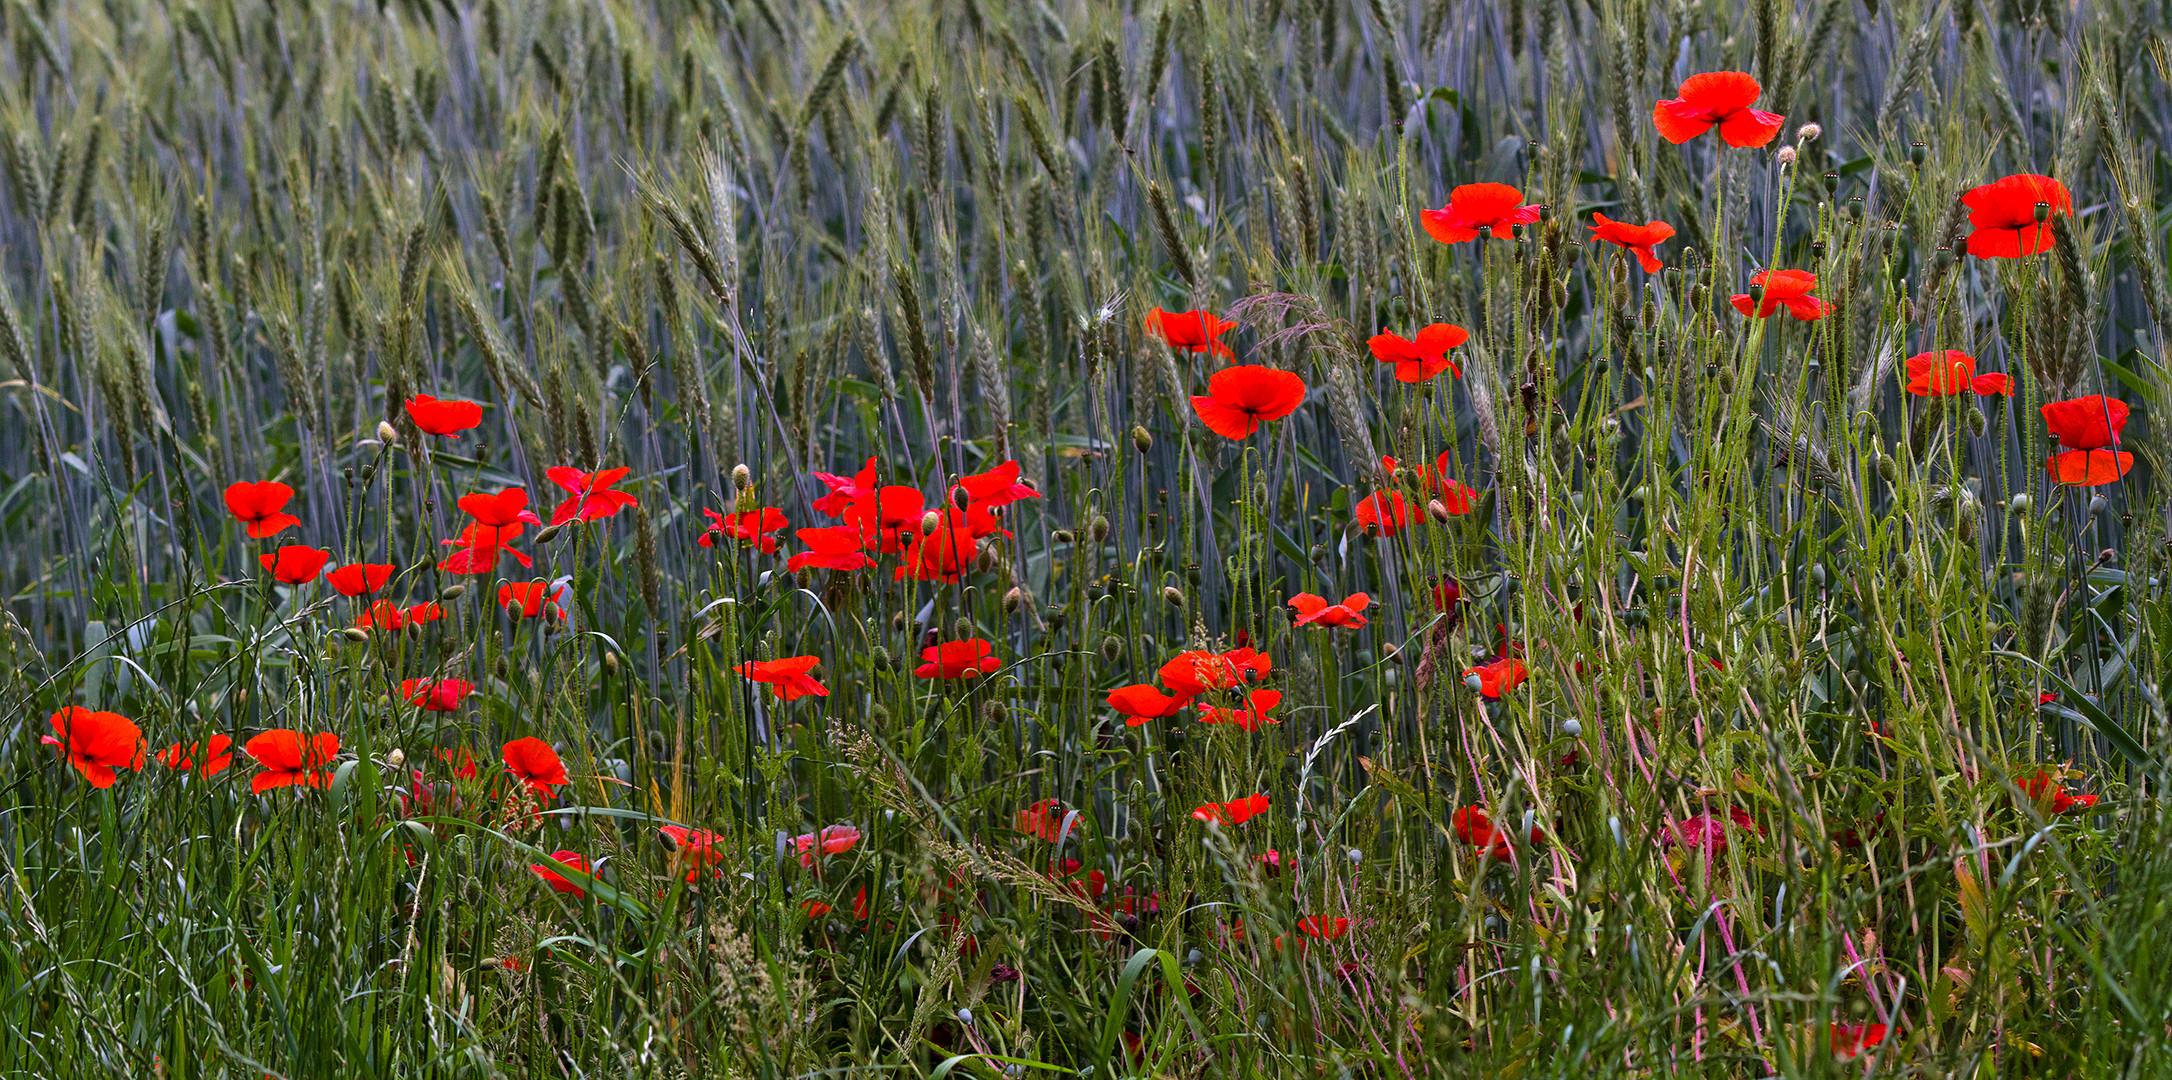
[1112, 649]
[2107, 557]
[1099, 529]
[1437, 510]
[1013, 600]
[1173, 595]
[991, 712]
[548, 533]
[1055, 618]
[453, 592]
[929, 522]
[742, 477]
[396, 758]
[1142, 438]
[964, 629]
[1976, 422]
[880, 655]
[961, 498]
[897, 623]
[386, 432]
[355, 634]
[1889, 468]
[2043, 212]
[1061, 536]
[1916, 153]
[1786, 157]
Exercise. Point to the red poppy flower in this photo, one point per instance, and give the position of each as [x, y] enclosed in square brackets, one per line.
[1851, 1040]
[1384, 513]
[1326, 928]
[1240, 399]
[1709, 831]
[428, 611]
[594, 497]
[1092, 887]
[1198, 331]
[2003, 213]
[443, 417]
[1474, 209]
[943, 555]
[1419, 360]
[1275, 862]
[480, 548]
[1640, 239]
[291, 759]
[1190, 674]
[259, 506]
[2089, 468]
[1313, 610]
[1043, 819]
[208, 758]
[832, 840]
[379, 615]
[296, 564]
[844, 491]
[2086, 423]
[997, 487]
[696, 850]
[787, 676]
[435, 695]
[1447, 594]
[757, 527]
[1497, 677]
[2053, 796]
[1783, 287]
[1232, 814]
[461, 760]
[1475, 827]
[1717, 99]
[1140, 702]
[562, 860]
[958, 660]
[1257, 703]
[360, 579]
[507, 507]
[531, 599]
[534, 763]
[96, 743]
[887, 518]
[1949, 372]
[832, 549]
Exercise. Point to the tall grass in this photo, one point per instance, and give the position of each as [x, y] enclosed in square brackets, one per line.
[1766, 597]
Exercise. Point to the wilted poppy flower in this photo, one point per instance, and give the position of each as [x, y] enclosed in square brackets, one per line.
[757, 527]
[1198, 331]
[2088, 427]
[443, 417]
[259, 506]
[1475, 209]
[1447, 594]
[844, 491]
[832, 840]
[1496, 677]
[887, 518]
[594, 497]
[1043, 819]
[1240, 399]
[1851, 1040]
[562, 860]
[1190, 674]
[1716, 99]
[435, 695]
[1140, 702]
[1418, 360]
[1315, 610]
[360, 579]
[697, 850]
[2004, 215]
[831, 549]
[1709, 831]
[2053, 795]
[480, 547]
[999, 486]
[296, 564]
[1232, 814]
[958, 660]
[534, 763]
[1257, 703]
[942, 556]
[1384, 513]
[531, 599]
[96, 743]
[787, 676]
[1790, 288]
[207, 758]
[1640, 239]
[1948, 372]
[291, 759]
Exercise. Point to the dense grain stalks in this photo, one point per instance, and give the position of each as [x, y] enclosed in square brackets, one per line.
[974, 538]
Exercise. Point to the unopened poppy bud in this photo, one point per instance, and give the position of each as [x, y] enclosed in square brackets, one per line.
[1808, 133]
[880, 655]
[610, 662]
[1013, 600]
[386, 432]
[1889, 468]
[2043, 212]
[453, 592]
[961, 498]
[548, 533]
[1142, 438]
[1099, 529]
[1786, 157]
[742, 477]
[964, 629]
[355, 634]
[396, 758]
[1112, 649]
[2107, 557]
[929, 522]
[1061, 536]
[1173, 595]
[1976, 422]
[1916, 153]
[1437, 510]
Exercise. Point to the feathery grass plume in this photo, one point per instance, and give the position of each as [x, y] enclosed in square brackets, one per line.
[501, 243]
[154, 255]
[992, 385]
[1037, 137]
[1210, 118]
[1172, 238]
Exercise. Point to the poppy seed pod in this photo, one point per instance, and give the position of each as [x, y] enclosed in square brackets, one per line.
[1916, 153]
[2043, 211]
[2096, 505]
[1142, 438]
[453, 592]
[1832, 182]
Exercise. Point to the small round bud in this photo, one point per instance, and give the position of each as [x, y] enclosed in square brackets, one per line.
[396, 758]
[965, 1016]
[1061, 536]
[1013, 600]
[1437, 510]
[610, 662]
[353, 633]
[929, 522]
[1355, 855]
[1571, 728]
[1889, 468]
[1099, 529]
[548, 533]
[386, 433]
[1142, 438]
[2107, 557]
[1474, 682]
[2019, 504]
[1112, 649]
[1173, 595]
[961, 498]
[1786, 157]
[453, 592]
[1808, 133]
[742, 477]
